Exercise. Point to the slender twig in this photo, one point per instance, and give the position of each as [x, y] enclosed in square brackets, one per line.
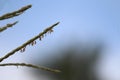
[31, 41]
[30, 65]
[15, 13]
[8, 26]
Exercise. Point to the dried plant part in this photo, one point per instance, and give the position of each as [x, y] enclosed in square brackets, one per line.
[15, 13]
[32, 66]
[28, 42]
[33, 43]
[40, 38]
[8, 26]
[23, 49]
[50, 31]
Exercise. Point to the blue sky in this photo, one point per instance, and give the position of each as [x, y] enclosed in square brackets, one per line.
[84, 20]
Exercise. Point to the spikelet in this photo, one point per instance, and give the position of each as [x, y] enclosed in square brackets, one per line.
[40, 38]
[50, 31]
[29, 42]
[33, 43]
[22, 50]
[15, 13]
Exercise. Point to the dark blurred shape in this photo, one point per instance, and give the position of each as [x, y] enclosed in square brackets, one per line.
[76, 63]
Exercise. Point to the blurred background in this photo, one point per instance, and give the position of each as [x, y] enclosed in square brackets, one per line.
[84, 46]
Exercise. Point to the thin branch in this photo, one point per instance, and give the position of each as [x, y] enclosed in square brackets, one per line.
[15, 13]
[8, 26]
[31, 65]
[31, 41]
